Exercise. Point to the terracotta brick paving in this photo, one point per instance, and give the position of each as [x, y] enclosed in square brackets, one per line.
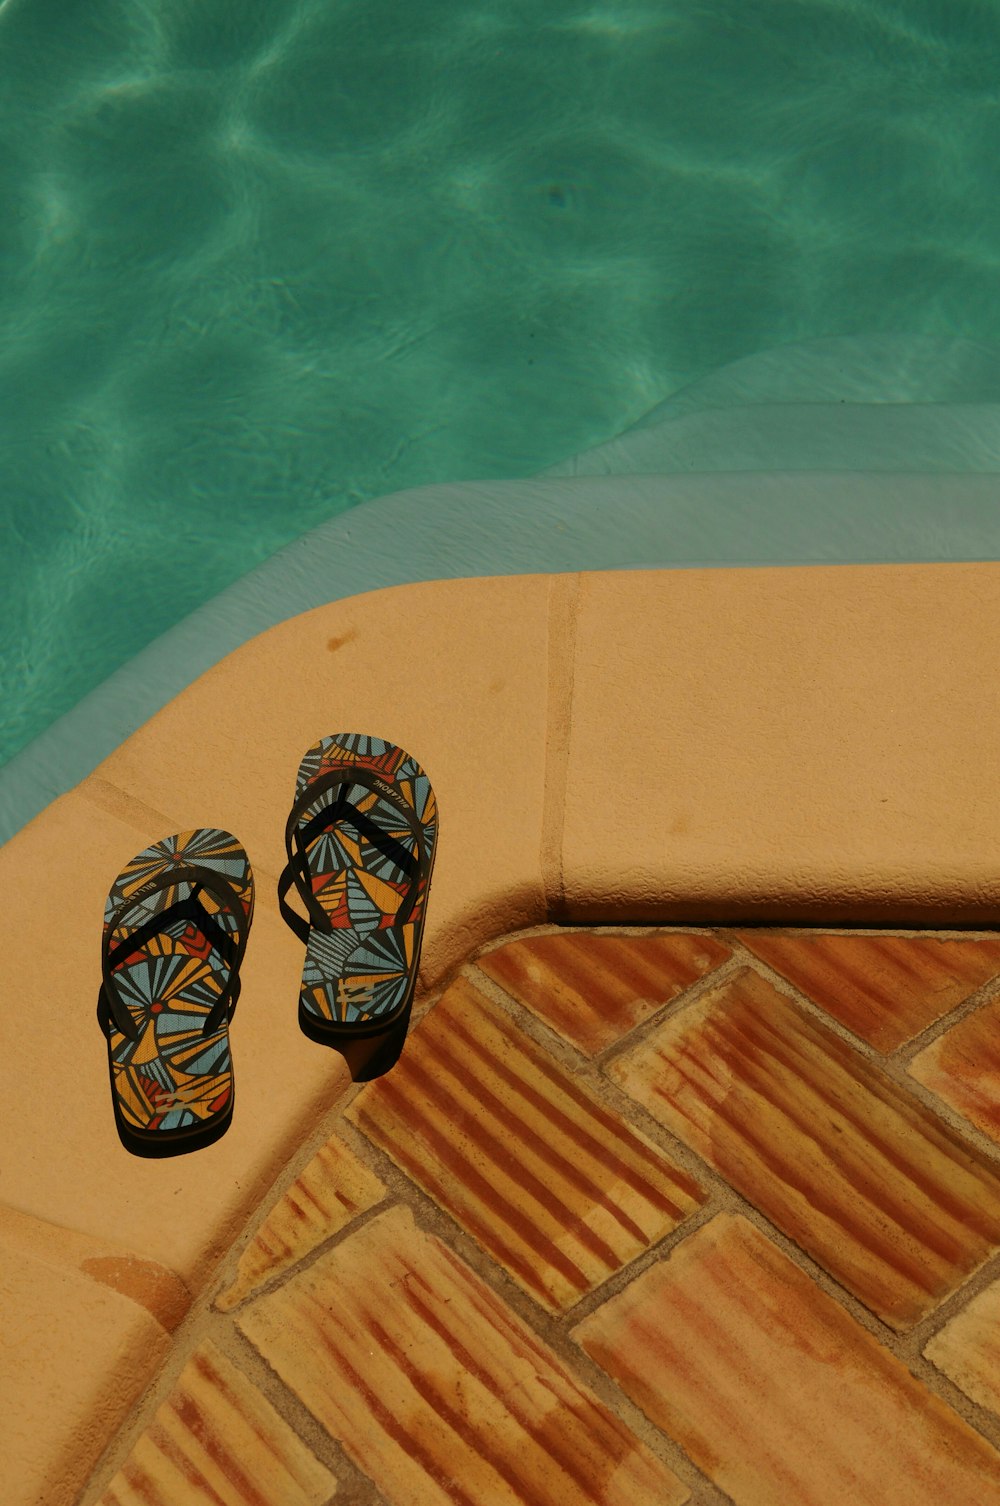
[775, 1391]
[638, 1218]
[593, 987]
[217, 1439]
[968, 1348]
[438, 1391]
[331, 1189]
[886, 989]
[963, 1067]
[560, 1191]
[883, 1194]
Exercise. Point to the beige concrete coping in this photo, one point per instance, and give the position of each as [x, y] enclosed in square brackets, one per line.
[810, 745]
[76, 1353]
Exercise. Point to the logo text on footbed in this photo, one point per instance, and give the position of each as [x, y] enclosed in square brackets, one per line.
[390, 789]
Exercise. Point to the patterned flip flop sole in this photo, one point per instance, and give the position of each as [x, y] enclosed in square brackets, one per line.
[171, 1068]
[363, 830]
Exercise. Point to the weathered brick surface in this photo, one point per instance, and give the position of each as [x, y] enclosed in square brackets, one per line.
[331, 1190]
[774, 1391]
[438, 1383]
[436, 1390]
[216, 1441]
[968, 1348]
[558, 1189]
[595, 987]
[886, 989]
[877, 1189]
[963, 1067]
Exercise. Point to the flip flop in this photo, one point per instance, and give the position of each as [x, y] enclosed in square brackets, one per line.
[360, 839]
[175, 928]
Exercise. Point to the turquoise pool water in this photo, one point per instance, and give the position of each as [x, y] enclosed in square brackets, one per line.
[264, 261]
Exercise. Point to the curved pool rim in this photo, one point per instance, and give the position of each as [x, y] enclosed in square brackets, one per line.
[566, 523]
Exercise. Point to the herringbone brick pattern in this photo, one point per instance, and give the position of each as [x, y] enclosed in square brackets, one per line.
[640, 1217]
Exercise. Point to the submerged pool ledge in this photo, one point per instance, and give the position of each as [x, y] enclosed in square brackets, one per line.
[807, 746]
[472, 529]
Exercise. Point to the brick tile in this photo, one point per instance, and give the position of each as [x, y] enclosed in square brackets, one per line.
[774, 1391]
[593, 989]
[963, 1067]
[886, 989]
[217, 1441]
[968, 1348]
[877, 1189]
[436, 1390]
[332, 1189]
[555, 1187]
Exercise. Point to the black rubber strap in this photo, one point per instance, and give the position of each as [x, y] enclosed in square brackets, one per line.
[106, 1018]
[110, 1008]
[339, 811]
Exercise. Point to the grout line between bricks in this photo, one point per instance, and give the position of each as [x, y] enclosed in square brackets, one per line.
[552, 1328]
[986, 994]
[327, 1449]
[894, 1064]
[723, 1196]
[564, 597]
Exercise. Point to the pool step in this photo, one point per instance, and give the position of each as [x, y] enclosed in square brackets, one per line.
[882, 403]
[844, 369]
[925, 438]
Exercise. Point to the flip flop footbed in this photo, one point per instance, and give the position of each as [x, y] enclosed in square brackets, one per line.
[173, 1077]
[362, 970]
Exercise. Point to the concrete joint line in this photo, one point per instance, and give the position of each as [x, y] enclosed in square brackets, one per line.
[564, 597]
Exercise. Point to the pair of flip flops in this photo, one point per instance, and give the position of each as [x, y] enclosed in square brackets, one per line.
[360, 841]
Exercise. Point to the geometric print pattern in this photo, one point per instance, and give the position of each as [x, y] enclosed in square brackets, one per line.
[174, 1078]
[362, 969]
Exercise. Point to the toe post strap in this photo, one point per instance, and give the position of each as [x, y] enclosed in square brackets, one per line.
[111, 1010]
[342, 811]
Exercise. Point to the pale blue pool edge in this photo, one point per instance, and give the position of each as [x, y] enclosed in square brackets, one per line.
[529, 527]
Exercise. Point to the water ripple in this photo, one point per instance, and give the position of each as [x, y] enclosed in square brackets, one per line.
[261, 262]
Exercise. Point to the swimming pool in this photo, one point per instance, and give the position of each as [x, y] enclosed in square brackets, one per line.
[265, 261]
